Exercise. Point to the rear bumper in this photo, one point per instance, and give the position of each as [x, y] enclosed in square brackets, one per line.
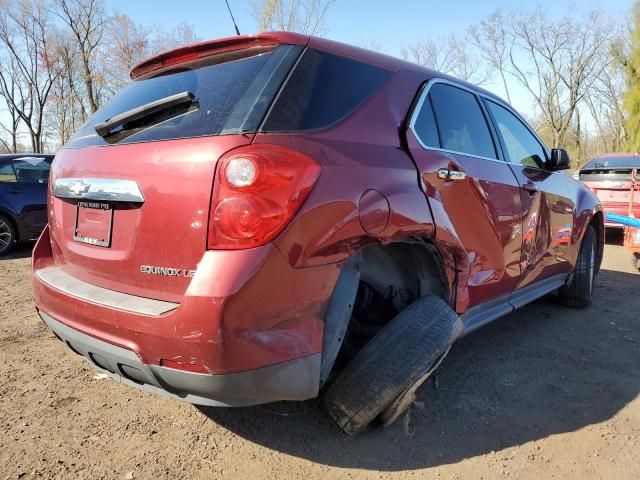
[291, 380]
[248, 319]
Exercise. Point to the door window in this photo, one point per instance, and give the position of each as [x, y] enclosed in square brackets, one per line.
[463, 127]
[6, 172]
[520, 145]
[32, 169]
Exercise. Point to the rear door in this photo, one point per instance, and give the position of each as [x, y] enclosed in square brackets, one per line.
[474, 196]
[546, 198]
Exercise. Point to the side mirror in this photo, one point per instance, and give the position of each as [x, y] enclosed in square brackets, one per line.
[559, 160]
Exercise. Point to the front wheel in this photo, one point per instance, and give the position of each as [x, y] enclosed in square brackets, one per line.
[577, 293]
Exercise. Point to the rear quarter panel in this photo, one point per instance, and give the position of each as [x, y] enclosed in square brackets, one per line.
[358, 155]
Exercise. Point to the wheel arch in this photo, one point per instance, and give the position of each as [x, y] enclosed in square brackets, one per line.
[414, 266]
[16, 226]
[597, 222]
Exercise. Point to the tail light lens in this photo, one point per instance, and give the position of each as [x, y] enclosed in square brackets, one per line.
[257, 191]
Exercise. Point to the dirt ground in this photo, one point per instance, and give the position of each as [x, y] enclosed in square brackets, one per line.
[546, 392]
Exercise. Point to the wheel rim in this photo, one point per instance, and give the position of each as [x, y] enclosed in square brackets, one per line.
[6, 237]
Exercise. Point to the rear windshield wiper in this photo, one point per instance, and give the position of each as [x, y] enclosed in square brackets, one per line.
[107, 127]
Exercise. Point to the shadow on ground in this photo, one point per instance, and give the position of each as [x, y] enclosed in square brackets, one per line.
[540, 371]
[22, 250]
[614, 236]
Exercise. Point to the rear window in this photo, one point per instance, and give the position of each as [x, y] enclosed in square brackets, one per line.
[230, 95]
[613, 163]
[323, 89]
[609, 169]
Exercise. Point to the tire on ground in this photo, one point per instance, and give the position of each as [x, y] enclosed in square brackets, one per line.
[7, 235]
[391, 362]
[577, 293]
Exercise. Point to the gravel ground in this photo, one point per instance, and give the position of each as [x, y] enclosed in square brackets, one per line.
[546, 392]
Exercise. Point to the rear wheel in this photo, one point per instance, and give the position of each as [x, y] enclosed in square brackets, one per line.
[381, 379]
[577, 293]
[7, 235]
[635, 260]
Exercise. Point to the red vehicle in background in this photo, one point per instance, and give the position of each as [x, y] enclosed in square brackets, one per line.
[261, 217]
[609, 177]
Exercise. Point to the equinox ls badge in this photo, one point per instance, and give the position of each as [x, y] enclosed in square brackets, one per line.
[167, 271]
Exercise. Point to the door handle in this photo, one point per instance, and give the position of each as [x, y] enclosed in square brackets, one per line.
[446, 174]
[530, 187]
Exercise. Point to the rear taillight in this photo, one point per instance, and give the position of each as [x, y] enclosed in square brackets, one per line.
[257, 191]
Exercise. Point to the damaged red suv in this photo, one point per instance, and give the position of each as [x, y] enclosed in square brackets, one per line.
[258, 218]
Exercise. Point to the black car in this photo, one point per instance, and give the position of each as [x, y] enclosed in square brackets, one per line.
[23, 197]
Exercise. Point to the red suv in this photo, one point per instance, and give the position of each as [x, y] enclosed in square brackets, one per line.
[256, 218]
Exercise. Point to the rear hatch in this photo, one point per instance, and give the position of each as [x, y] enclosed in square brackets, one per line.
[131, 191]
[611, 185]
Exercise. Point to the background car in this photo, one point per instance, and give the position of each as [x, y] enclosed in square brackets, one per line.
[23, 197]
[609, 176]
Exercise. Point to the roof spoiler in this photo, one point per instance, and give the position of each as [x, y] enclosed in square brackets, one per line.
[212, 47]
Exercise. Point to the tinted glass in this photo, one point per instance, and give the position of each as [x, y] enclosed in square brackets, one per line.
[6, 172]
[425, 125]
[613, 162]
[323, 89]
[463, 127]
[218, 83]
[520, 145]
[32, 169]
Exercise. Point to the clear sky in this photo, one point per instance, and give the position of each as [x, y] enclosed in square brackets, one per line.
[387, 22]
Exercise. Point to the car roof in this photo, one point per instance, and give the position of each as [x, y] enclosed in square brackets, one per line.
[211, 47]
[614, 160]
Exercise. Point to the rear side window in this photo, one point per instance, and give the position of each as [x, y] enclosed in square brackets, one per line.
[425, 125]
[323, 89]
[231, 92]
[6, 173]
[520, 145]
[463, 127]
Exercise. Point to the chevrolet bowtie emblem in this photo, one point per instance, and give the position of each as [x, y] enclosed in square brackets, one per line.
[78, 188]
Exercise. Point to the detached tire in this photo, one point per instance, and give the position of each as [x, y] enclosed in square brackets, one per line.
[577, 293]
[391, 363]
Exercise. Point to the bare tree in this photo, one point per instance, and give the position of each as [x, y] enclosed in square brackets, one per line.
[8, 91]
[86, 20]
[127, 44]
[66, 108]
[556, 62]
[302, 16]
[446, 55]
[29, 67]
[182, 34]
[604, 104]
[495, 45]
